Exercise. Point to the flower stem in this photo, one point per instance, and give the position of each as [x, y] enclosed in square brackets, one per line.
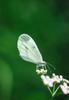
[50, 90]
[55, 91]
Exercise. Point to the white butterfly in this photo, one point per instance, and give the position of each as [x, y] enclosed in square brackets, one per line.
[29, 51]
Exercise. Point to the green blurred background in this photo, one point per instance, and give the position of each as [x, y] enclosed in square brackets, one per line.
[47, 22]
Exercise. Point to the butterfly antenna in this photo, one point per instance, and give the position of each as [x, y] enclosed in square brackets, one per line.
[48, 68]
[51, 66]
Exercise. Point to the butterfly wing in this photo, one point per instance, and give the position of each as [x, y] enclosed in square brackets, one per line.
[28, 49]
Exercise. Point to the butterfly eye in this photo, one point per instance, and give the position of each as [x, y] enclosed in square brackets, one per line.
[41, 66]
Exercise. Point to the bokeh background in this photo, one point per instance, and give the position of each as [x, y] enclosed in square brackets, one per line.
[47, 22]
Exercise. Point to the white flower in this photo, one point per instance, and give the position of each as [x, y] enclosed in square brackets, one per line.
[65, 88]
[42, 77]
[47, 80]
[65, 80]
[57, 78]
[41, 71]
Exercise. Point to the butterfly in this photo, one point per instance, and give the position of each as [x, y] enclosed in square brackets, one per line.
[29, 51]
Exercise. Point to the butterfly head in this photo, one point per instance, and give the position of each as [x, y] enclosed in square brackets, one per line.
[41, 68]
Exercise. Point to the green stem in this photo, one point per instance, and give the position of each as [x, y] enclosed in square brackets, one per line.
[55, 91]
[50, 90]
[54, 87]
